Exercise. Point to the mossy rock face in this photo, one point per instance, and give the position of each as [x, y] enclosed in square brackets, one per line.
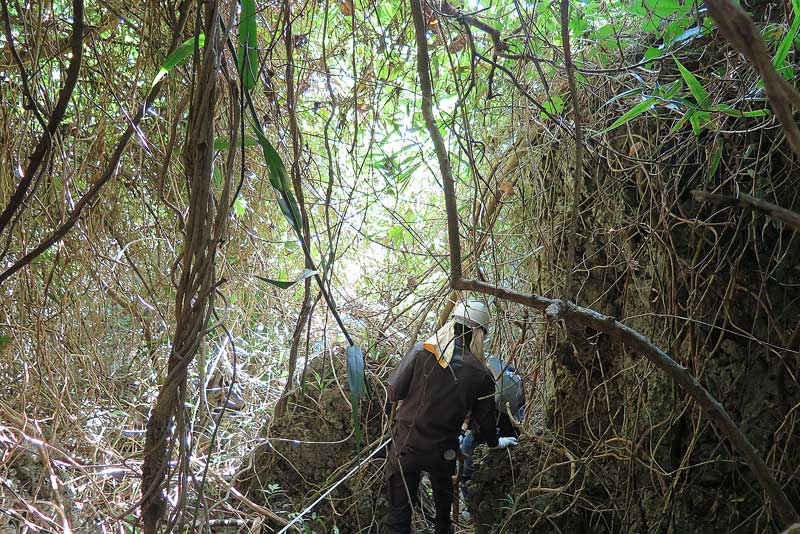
[304, 452]
[714, 287]
[529, 489]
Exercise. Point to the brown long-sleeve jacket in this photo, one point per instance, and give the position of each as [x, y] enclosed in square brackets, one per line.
[436, 400]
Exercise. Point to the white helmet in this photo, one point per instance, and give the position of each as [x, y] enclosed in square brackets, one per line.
[472, 313]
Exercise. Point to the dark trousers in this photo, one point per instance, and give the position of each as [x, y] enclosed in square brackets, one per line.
[403, 481]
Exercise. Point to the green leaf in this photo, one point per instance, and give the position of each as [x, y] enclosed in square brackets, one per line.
[578, 25]
[396, 234]
[603, 31]
[663, 8]
[694, 120]
[555, 107]
[247, 62]
[686, 117]
[631, 114]
[757, 113]
[670, 90]
[786, 43]
[278, 176]
[178, 57]
[289, 208]
[698, 92]
[279, 179]
[733, 112]
[672, 32]
[623, 94]
[286, 284]
[651, 53]
[356, 381]
[239, 206]
[222, 143]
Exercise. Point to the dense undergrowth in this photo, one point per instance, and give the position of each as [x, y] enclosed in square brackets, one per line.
[609, 444]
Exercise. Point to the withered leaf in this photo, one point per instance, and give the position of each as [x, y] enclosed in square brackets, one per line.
[506, 187]
[346, 6]
[458, 44]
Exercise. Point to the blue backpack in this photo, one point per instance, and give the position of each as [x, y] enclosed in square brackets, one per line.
[509, 388]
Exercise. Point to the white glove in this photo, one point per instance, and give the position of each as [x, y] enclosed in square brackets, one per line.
[504, 443]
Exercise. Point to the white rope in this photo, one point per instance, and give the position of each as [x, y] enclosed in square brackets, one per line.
[348, 475]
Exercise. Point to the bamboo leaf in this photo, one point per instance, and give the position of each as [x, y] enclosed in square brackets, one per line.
[694, 120]
[757, 113]
[670, 90]
[680, 123]
[698, 92]
[222, 143]
[286, 209]
[286, 284]
[178, 57]
[356, 381]
[278, 176]
[623, 94]
[279, 179]
[632, 113]
[786, 44]
[247, 62]
[733, 112]
[295, 210]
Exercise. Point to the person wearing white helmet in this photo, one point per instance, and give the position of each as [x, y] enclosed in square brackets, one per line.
[439, 382]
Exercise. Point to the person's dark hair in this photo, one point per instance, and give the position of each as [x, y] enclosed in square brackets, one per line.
[463, 332]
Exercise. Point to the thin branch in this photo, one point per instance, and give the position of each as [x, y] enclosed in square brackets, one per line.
[557, 309]
[488, 218]
[46, 140]
[423, 68]
[742, 200]
[576, 191]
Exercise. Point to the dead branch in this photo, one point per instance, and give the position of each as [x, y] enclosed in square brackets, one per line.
[23, 72]
[499, 44]
[60, 47]
[557, 309]
[742, 200]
